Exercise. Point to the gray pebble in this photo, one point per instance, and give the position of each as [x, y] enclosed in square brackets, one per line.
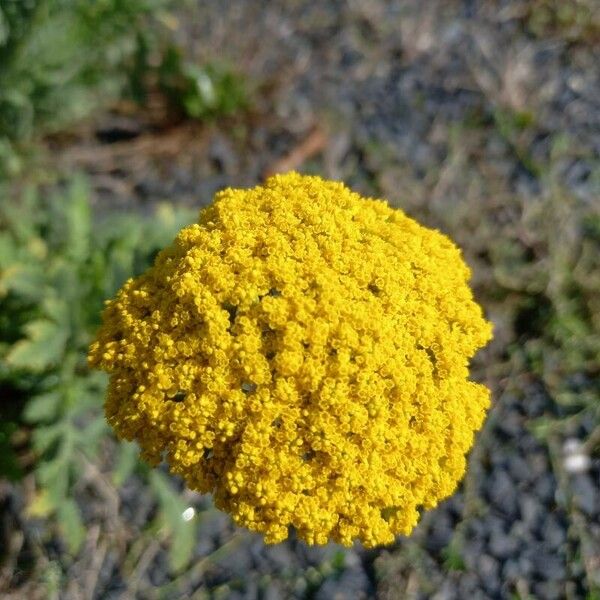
[586, 495]
[503, 546]
[545, 489]
[488, 570]
[503, 494]
[273, 591]
[549, 566]
[553, 531]
[520, 470]
[531, 511]
[351, 585]
[548, 590]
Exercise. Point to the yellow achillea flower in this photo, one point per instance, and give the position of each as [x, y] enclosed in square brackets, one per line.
[302, 353]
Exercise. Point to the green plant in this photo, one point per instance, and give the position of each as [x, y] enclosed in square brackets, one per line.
[453, 556]
[57, 264]
[200, 91]
[515, 128]
[60, 61]
[561, 343]
[574, 21]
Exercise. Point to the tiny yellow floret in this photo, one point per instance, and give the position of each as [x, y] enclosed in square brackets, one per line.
[301, 352]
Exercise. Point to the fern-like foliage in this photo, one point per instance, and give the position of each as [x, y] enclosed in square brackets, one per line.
[57, 265]
[60, 60]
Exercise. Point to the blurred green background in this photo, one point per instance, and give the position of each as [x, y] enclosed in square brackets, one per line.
[119, 119]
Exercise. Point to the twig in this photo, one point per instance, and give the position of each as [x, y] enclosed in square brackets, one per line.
[92, 475]
[98, 553]
[104, 157]
[307, 148]
[141, 567]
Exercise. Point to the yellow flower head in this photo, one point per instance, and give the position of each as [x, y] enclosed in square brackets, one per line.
[302, 353]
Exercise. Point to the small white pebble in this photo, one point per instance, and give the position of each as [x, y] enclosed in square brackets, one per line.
[188, 514]
[577, 463]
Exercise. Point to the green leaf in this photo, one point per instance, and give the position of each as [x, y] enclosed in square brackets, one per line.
[4, 29]
[22, 218]
[71, 524]
[78, 219]
[8, 250]
[57, 310]
[453, 556]
[44, 407]
[23, 279]
[53, 476]
[127, 460]
[91, 434]
[85, 396]
[182, 533]
[43, 347]
[45, 436]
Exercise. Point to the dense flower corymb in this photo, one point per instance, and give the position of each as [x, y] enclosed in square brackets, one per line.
[302, 353]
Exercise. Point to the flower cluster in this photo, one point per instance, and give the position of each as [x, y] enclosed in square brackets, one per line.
[302, 353]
